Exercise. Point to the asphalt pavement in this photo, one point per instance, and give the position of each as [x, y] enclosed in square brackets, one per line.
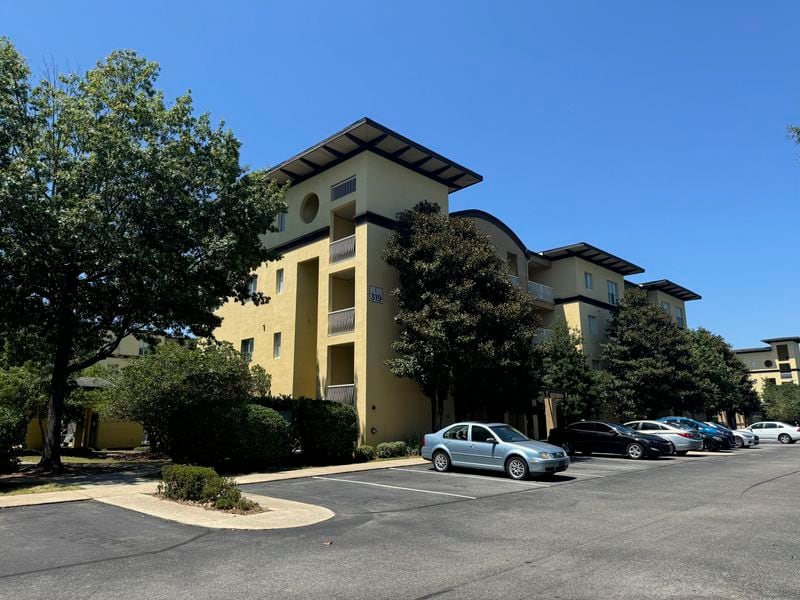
[716, 526]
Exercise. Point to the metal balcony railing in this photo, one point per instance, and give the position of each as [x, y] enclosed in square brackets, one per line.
[342, 321]
[786, 374]
[345, 394]
[513, 280]
[343, 249]
[542, 335]
[540, 291]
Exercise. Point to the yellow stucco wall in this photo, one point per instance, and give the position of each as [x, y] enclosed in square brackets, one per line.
[761, 371]
[383, 188]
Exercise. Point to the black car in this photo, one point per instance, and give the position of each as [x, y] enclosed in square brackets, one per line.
[608, 438]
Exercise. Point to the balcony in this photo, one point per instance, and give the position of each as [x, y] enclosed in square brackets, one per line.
[343, 249]
[543, 293]
[542, 335]
[344, 394]
[342, 321]
[513, 280]
[786, 375]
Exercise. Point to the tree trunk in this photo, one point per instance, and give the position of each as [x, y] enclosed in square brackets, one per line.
[51, 451]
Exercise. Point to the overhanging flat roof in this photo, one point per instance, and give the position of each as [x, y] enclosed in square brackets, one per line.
[673, 289]
[594, 255]
[749, 350]
[781, 339]
[368, 135]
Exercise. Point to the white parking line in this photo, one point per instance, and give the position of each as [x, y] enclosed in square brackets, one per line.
[397, 487]
[571, 473]
[483, 478]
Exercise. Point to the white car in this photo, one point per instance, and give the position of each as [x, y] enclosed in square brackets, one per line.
[776, 430]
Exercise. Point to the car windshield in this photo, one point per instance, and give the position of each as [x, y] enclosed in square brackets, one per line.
[621, 428]
[508, 434]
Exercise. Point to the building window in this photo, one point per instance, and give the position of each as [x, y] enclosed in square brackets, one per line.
[596, 365]
[679, 316]
[252, 285]
[592, 324]
[783, 351]
[309, 208]
[511, 259]
[279, 281]
[145, 348]
[280, 222]
[246, 349]
[588, 280]
[665, 307]
[770, 380]
[769, 364]
[786, 371]
[613, 293]
[276, 345]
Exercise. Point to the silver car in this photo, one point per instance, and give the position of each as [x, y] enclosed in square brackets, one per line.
[776, 430]
[494, 446]
[682, 439]
[743, 437]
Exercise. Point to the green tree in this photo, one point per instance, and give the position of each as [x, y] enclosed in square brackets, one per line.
[723, 381]
[649, 359]
[188, 399]
[782, 402]
[564, 368]
[119, 214]
[463, 329]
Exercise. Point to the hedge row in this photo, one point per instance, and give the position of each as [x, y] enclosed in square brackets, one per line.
[325, 432]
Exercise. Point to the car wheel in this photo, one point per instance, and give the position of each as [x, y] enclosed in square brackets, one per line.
[516, 468]
[635, 451]
[568, 448]
[739, 442]
[441, 462]
[784, 438]
[681, 452]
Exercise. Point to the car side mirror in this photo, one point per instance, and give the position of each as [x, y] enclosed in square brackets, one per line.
[614, 432]
[492, 441]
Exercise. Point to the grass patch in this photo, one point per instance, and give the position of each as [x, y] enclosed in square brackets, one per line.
[17, 489]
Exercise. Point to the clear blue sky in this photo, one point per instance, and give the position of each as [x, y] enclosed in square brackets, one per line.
[656, 131]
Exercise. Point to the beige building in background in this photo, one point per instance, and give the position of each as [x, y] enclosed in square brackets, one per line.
[579, 282]
[327, 330]
[778, 362]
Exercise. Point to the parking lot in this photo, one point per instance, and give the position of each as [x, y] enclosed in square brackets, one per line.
[394, 489]
[705, 526]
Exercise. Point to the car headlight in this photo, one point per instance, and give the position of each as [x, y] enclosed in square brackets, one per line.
[545, 455]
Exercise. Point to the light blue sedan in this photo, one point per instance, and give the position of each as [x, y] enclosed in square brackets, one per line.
[494, 446]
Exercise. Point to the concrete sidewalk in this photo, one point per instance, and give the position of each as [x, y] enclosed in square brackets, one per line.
[278, 514]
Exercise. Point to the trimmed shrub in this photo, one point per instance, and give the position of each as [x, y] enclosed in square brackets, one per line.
[265, 438]
[364, 453]
[202, 484]
[12, 434]
[185, 482]
[391, 449]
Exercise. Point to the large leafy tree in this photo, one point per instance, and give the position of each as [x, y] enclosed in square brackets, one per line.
[119, 215]
[463, 329]
[648, 357]
[723, 381]
[782, 402]
[564, 368]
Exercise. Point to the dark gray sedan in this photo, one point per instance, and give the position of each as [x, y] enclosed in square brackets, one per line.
[494, 446]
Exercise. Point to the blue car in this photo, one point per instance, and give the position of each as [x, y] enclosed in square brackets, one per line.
[493, 446]
[713, 438]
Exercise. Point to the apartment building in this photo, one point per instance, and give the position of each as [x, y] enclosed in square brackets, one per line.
[778, 362]
[579, 282]
[327, 330]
